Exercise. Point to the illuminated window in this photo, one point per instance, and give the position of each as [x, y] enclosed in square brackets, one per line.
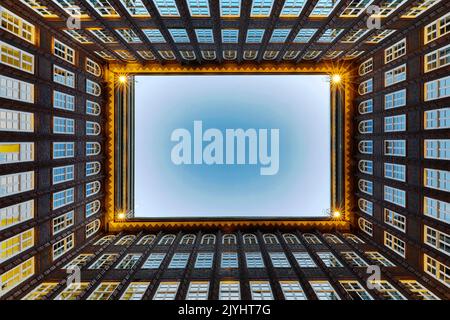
[135, 8]
[395, 171]
[229, 290]
[365, 107]
[154, 261]
[93, 88]
[437, 149]
[92, 208]
[198, 290]
[437, 270]
[304, 260]
[395, 99]
[167, 54]
[103, 8]
[104, 240]
[304, 35]
[292, 290]
[92, 148]
[395, 219]
[63, 76]
[17, 244]
[204, 260]
[15, 276]
[261, 8]
[179, 35]
[63, 51]
[230, 8]
[16, 213]
[105, 261]
[365, 226]
[146, 54]
[355, 8]
[16, 121]
[16, 58]
[437, 29]
[63, 246]
[365, 87]
[419, 290]
[63, 150]
[324, 290]
[167, 8]
[437, 119]
[418, 8]
[154, 35]
[437, 89]
[255, 35]
[230, 35]
[103, 291]
[261, 290]
[198, 8]
[387, 7]
[93, 67]
[437, 59]
[437, 179]
[229, 260]
[63, 174]
[395, 244]
[38, 7]
[166, 291]
[292, 8]
[129, 35]
[395, 51]
[204, 35]
[77, 36]
[354, 35]
[330, 35]
[103, 35]
[379, 36]
[387, 290]
[104, 55]
[135, 291]
[311, 54]
[15, 183]
[396, 75]
[63, 198]
[355, 290]
[437, 239]
[14, 24]
[39, 292]
[323, 8]
[16, 89]
[125, 55]
[72, 291]
[63, 222]
[366, 206]
[92, 168]
[129, 261]
[353, 238]
[377, 257]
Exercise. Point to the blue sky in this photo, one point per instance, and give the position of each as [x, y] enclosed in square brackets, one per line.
[299, 106]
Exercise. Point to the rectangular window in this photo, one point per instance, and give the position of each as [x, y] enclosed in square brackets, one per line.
[279, 260]
[329, 35]
[329, 259]
[167, 8]
[230, 8]
[437, 29]
[254, 260]
[63, 150]
[79, 261]
[16, 152]
[154, 35]
[63, 174]
[103, 35]
[419, 290]
[204, 260]
[198, 290]
[15, 183]
[395, 99]
[437, 270]
[437, 89]
[353, 259]
[63, 51]
[103, 291]
[437, 239]
[77, 36]
[166, 291]
[395, 171]
[437, 149]
[63, 222]
[437, 119]
[16, 25]
[292, 290]
[63, 125]
[204, 35]
[387, 290]
[16, 213]
[395, 123]
[395, 75]
[395, 196]
[14, 89]
[324, 290]
[261, 290]
[229, 290]
[63, 101]
[198, 8]
[436, 209]
[379, 258]
[129, 35]
[63, 76]
[323, 8]
[129, 261]
[229, 260]
[105, 261]
[17, 275]
[179, 261]
[304, 35]
[230, 35]
[304, 260]
[355, 290]
[395, 219]
[396, 148]
[16, 58]
[154, 261]
[16, 121]
[437, 179]
[436, 59]
[254, 35]
[395, 244]
[279, 35]
[39, 292]
[72, 291]
[395, 51]
[17, 244]
[63, 246]
[103, 8]
[63, 198]
[179, 35]
[135, 291]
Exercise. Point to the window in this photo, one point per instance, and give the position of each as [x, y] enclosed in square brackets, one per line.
[436, 209]
[437, 89]
[103, 8]
[63, 51]
[92, 128]
[437, 29]
[63, 76]
[311, 54]
[387, 290]
[166, 291]
[63, 101]
[229, 290]
[395, 171]
[63, 222]
[154, 261]
[16, 25]
[261, 290]
[188, 54]
[129, 261]
[135, 291]
[15, 183]
[167, 8]
[92, 188]
[188, 239]
[198, 290]
[125, 240]
[365, 186]
[146, 54]
[229, 239]
[353, 36]
[324, 290]
[209, 54]
[436, 59]
[365, 226]
[292, 8]
[419, 8]
[365, 87]
[103, 291]
[250, 54]
[437, 149]
[39, 292]
[365, 107]
[72, 291]
[63, 246]
[255, 35]
[329, 35]
[77, 36]
[377, 257]
[270, 239]
[92, 108]
[379, 36]
[167, 239]
[437, 119]
[304, 35]
[395, 99]
[79, 261]
[290, 238]
[353, 238]
[365, 166]
[16, 121]
[365, 146]
[396, 148]
[365, 67]
[16, 58]
[437, 239]
[204, 35]
[16, 89]
[146, 240]
[323, 8]
[395, 75]
[154, 35]
[353, 259]
[254, 260]
[270, 55]
[93, 67]
[92, 208]
[355, 8]
[395, 219]
[230, 35]
[355, 290]
[230, 8]
[304, 260]
[198, 8]
[292, 290]
[395, 51]
[279, 35]
[419, 290]
[16, 244]
[16, 152]
[92, 168]
[179, 35]
[311, 239]
[331, 238]
[104, 240]
[261, 8]
[208, 239]
[437, 179]
[229, 260]
[93, 88]
[16, 213]
[291, 55]
[105, 261]
[329, 259]
[92, 148]
[63, 125]
[17, 275]
[179, 261]
[204, 260]
[395, 196]
[437, 270]
[395, 244]
[128, 35]
[365, 126]
[92, 228]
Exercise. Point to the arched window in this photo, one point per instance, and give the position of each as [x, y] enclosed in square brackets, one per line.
[92, 228]
[250, 239]
[188, 55]
[93, 88]
[332, 238]
[366, 206]
[167, 54]
[104, 240]
[229, 239]
[352, 237]
[92, 208]
[167, 239]
[365, 226]
[365, 87]
[209, 54]
[188, 239]
[365, 107]
[270, 239]
[365, 146]
[93, 148]
[93, 67]
[125, 240]
[92, 128]
[229, 54]
[291, 54]
[365, 186]
[250, 54]
[208, 239]
[92, 168]
[291, 238]
[270, 55]
[92, 188]
[365, 126]
[311, 239]
[148, 239]
[365, 166]
[92, 108]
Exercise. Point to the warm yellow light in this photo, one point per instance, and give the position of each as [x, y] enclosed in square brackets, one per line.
[123, 79]
[336, 214]
[121, 216]
[336, 78]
